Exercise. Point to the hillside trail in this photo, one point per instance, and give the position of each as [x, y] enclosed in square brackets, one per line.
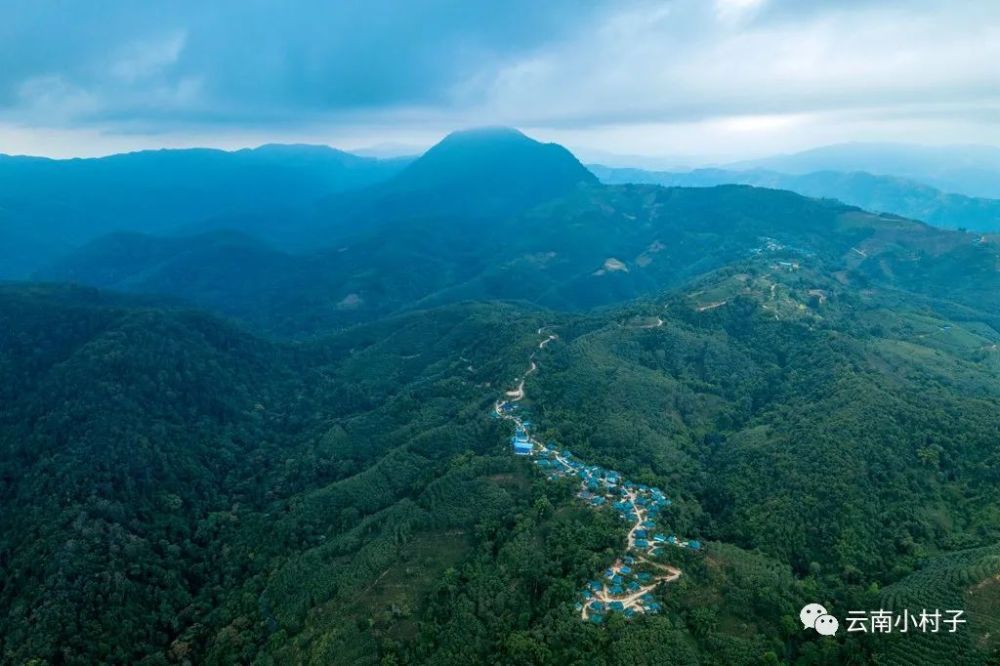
[632, 600]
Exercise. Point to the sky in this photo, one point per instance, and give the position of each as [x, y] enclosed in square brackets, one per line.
[684, 81]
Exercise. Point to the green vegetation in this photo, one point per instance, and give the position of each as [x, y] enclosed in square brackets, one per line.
[347, 500]
[815, 388]
[965, 580]
[166, 473]
[595, 247]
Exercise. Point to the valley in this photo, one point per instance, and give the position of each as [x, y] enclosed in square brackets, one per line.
[636, 504]
[437, 333]
[263, 453]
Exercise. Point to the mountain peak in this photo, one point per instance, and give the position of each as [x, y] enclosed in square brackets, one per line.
[499, 168]
[485, 135]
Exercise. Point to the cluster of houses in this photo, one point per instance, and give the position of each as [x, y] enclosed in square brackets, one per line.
[627, 586]
[603, 487]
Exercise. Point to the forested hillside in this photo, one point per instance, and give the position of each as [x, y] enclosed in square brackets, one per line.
[357, 354]
[591, 246]
[238, 453]
[348, 500]
[50, 207]
[843, 441]
[159, 466]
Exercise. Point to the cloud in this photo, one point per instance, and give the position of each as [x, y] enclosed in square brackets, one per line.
[724, 70]
[689, 63]
[262, 61]
[736, 10]
[144, 59]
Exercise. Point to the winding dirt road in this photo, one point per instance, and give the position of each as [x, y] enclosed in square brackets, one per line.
[633, 598]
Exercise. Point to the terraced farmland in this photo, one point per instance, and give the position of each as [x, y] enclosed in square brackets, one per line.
[969, 581]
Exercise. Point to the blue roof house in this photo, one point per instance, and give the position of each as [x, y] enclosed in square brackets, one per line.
[522, 447]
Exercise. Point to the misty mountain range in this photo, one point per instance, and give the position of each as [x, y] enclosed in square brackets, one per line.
[485, 214]
[972, 170]
[250, 411]
[886, 194]
[51, 208]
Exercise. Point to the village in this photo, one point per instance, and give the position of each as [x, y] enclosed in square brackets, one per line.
[627, 586]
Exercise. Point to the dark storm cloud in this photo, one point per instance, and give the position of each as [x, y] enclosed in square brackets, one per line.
[643, 74]
[265, 61]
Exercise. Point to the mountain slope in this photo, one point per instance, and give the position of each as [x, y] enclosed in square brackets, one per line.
[887, 194]
[499, 169]
[849, 435]
[469, 180]
[160, 468]
[50, 206]
[598, 246]
[815, 387]
[350, 500]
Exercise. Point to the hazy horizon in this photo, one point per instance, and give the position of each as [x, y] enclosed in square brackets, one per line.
[388, 150]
